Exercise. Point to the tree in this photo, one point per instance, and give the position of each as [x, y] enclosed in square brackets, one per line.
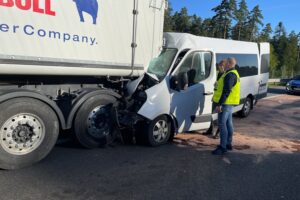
[297, 66]
[168, 21]
[208, 28]
[279, 31]
[255, 19]
[223, 17]
[241, 15]
[280, 42]
[274, 72]
[182, 21]
[196, 25]
[284, 49]
[265, 35]
[290, 54]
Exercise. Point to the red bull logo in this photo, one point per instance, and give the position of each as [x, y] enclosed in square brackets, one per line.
[33, 5]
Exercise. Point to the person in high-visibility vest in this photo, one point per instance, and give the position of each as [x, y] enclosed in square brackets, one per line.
[226, 96]
[220, 70]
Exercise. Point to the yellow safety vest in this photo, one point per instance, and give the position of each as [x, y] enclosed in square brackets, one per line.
[234, 96]
[218, 79]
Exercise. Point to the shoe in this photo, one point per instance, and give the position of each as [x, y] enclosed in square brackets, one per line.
[217, 136]
[219, 151]
[229, 147]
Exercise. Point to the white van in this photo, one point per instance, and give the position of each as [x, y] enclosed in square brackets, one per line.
[182, 77]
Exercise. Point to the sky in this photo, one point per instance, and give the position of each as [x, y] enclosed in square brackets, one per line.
[274, 11]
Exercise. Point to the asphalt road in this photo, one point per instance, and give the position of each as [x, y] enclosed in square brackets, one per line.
[167, 172]
[275, 90]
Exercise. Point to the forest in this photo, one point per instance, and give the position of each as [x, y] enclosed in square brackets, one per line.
[236, 21]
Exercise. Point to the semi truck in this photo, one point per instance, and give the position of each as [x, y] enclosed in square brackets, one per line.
[96, 67]
[64, 66]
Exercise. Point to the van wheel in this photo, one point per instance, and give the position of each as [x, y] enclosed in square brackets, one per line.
[246, 108]
[94, 123]
[158, 131]
[28, 131]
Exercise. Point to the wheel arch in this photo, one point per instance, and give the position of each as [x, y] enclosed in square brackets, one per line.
[85, 95]
[174, 124]
[12, 94]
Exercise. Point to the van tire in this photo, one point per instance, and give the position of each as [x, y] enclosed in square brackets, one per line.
[158, 132]
[94, 123]
[34, 132]
[246, 108]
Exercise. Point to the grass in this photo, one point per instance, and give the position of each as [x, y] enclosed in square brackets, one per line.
[276, 84]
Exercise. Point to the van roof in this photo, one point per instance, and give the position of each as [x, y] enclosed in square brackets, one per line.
[182, 41]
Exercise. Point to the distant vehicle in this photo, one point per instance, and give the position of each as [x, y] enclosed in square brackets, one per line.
[293, 86]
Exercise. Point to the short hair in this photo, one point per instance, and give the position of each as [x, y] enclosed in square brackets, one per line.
[232, 61]
[223, 62]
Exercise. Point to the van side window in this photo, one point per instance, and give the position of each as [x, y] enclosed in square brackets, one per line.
[247, 64]
[197, 66]
[264, 66]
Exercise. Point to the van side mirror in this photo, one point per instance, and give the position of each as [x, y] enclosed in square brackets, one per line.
[179, 82]
[174, 83]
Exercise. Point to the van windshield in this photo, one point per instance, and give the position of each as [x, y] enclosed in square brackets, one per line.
[161, 65]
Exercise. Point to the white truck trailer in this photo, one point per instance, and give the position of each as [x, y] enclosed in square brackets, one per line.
[63, 65]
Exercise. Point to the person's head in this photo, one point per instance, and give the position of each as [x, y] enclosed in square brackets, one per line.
[231, 62]
[222, 65]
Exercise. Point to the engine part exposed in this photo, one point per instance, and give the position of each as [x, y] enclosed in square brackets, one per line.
[139, 97]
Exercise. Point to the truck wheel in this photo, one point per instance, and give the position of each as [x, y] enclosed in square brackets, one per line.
[28, 131]
[246, 108]
[94, 121]
[158, 131]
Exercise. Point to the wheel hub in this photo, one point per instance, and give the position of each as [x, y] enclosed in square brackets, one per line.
[99, 122]
[22, 134]
[247, 106]
[160, 131]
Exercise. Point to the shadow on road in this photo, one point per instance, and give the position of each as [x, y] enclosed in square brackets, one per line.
[277, 90]
[67, 140]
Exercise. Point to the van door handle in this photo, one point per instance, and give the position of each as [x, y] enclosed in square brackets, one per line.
[208, 93]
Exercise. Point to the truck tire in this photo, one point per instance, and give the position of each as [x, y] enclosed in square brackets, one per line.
[246, 108]
[158, 132]
[28, 131]
[94, 122]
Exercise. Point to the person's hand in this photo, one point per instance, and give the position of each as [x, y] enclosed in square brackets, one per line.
[219, 109]
[216, 84]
